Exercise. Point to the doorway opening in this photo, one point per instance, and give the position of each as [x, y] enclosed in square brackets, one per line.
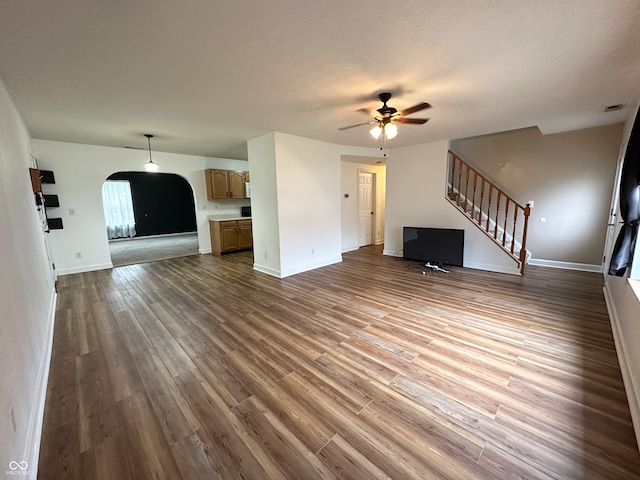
[366, 212]
[155, 220]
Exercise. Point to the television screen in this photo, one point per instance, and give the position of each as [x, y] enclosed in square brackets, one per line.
[435, 245]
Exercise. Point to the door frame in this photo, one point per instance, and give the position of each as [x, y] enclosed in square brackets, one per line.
[374, 204]
[613, 226]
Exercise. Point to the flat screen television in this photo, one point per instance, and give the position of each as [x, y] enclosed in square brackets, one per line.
[434, 245]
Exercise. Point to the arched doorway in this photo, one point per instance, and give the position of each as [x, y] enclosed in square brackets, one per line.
[164, 215]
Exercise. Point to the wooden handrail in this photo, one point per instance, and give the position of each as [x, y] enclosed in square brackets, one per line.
[491, 208]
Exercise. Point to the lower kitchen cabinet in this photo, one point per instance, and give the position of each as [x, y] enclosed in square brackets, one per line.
[230, 235]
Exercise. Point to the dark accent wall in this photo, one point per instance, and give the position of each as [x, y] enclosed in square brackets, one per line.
[162, 202]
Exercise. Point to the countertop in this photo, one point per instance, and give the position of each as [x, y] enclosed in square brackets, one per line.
[222, 218]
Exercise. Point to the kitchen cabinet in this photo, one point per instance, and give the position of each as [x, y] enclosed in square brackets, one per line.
[230, 235]
[225, 184]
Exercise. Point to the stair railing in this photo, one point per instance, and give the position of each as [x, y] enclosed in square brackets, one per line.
[498, 215]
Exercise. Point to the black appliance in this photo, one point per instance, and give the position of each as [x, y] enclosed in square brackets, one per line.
[245, 211]
[433, 245]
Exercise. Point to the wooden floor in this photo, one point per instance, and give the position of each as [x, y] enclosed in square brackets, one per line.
[201, 368]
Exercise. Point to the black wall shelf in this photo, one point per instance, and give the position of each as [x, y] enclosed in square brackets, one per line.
[46, 176]
[51, 201]
[54, 223]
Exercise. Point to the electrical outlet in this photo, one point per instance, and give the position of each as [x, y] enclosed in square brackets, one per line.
[72, 211]
[78, 254]
[313, 251]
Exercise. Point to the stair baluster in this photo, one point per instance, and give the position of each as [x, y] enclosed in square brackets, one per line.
[492, 219]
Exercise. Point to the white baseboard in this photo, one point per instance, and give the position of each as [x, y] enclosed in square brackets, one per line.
[476, 266]
[204, 251]
[84, 268]
[493, 268]
[585, 267]
[268, 270]
[34, 436]
[297, 269]
[310, 266]
[631, 387]
[356, 247]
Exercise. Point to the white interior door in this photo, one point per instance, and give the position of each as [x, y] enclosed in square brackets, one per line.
[365, 208]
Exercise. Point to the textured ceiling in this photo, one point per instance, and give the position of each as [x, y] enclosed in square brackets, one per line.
[205, 76]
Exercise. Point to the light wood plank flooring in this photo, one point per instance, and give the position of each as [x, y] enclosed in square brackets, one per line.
[201, 368]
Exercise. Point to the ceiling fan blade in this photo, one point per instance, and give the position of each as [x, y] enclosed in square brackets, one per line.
[415, 108]
[418, 121]
[356, 125]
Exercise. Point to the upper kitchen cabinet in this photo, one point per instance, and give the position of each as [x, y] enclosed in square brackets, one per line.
[225, 184]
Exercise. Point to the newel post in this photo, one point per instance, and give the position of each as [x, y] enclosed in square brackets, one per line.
[523, 245]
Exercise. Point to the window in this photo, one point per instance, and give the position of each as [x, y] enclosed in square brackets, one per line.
[118, 209]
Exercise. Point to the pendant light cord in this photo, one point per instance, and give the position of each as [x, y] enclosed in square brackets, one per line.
[149, 137]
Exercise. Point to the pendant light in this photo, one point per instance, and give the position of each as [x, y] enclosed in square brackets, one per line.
[150, 166]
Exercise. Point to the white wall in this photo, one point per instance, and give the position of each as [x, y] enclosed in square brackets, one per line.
[80, 171]
[27, 299]
[296, 183]
[264, 204]
[308, 176]
[349, 211]
[416, 185]
[624, 310]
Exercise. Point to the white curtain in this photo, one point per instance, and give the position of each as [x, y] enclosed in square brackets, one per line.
[118, 208]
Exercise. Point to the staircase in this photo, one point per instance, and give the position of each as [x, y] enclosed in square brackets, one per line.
[489, 208]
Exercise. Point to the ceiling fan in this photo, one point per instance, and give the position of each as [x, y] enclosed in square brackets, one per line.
[388, 116]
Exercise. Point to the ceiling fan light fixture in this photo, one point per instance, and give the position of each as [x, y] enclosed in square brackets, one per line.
[376, 132]
[150, 166]
[390, 131]
[384, 124]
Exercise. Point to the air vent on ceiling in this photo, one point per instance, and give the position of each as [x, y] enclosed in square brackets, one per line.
[613, 108]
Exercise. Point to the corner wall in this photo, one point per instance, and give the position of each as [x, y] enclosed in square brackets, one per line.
[308, 173]
[264, 204]
[296, 192]
[27, 300]
[416, 186]
[568, 175]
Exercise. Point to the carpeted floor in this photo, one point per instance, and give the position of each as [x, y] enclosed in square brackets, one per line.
[149, 249]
